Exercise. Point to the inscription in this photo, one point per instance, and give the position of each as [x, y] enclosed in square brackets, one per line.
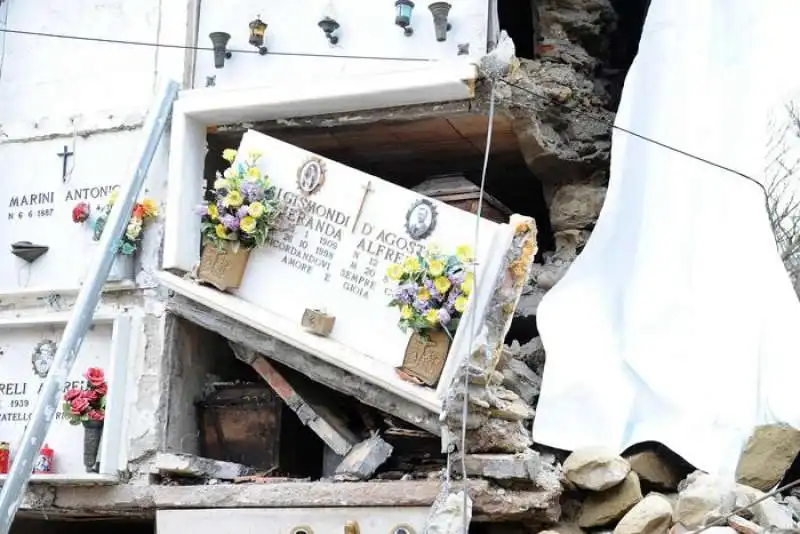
[16, 409]
[356, 283]
[32, 199]
[314, 245]
[298, 264]
[21, 388]
[14, 388]
[305, 211]
[30, 214]
[15, 417]
[37, 205]
[24, 417]
[89, 193]
[311, 247]
[324, 252]
[329, 243]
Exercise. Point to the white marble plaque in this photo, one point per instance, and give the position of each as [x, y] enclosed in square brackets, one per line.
[377, 520]
[349, 227]
[37, 202]
[24, 355]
